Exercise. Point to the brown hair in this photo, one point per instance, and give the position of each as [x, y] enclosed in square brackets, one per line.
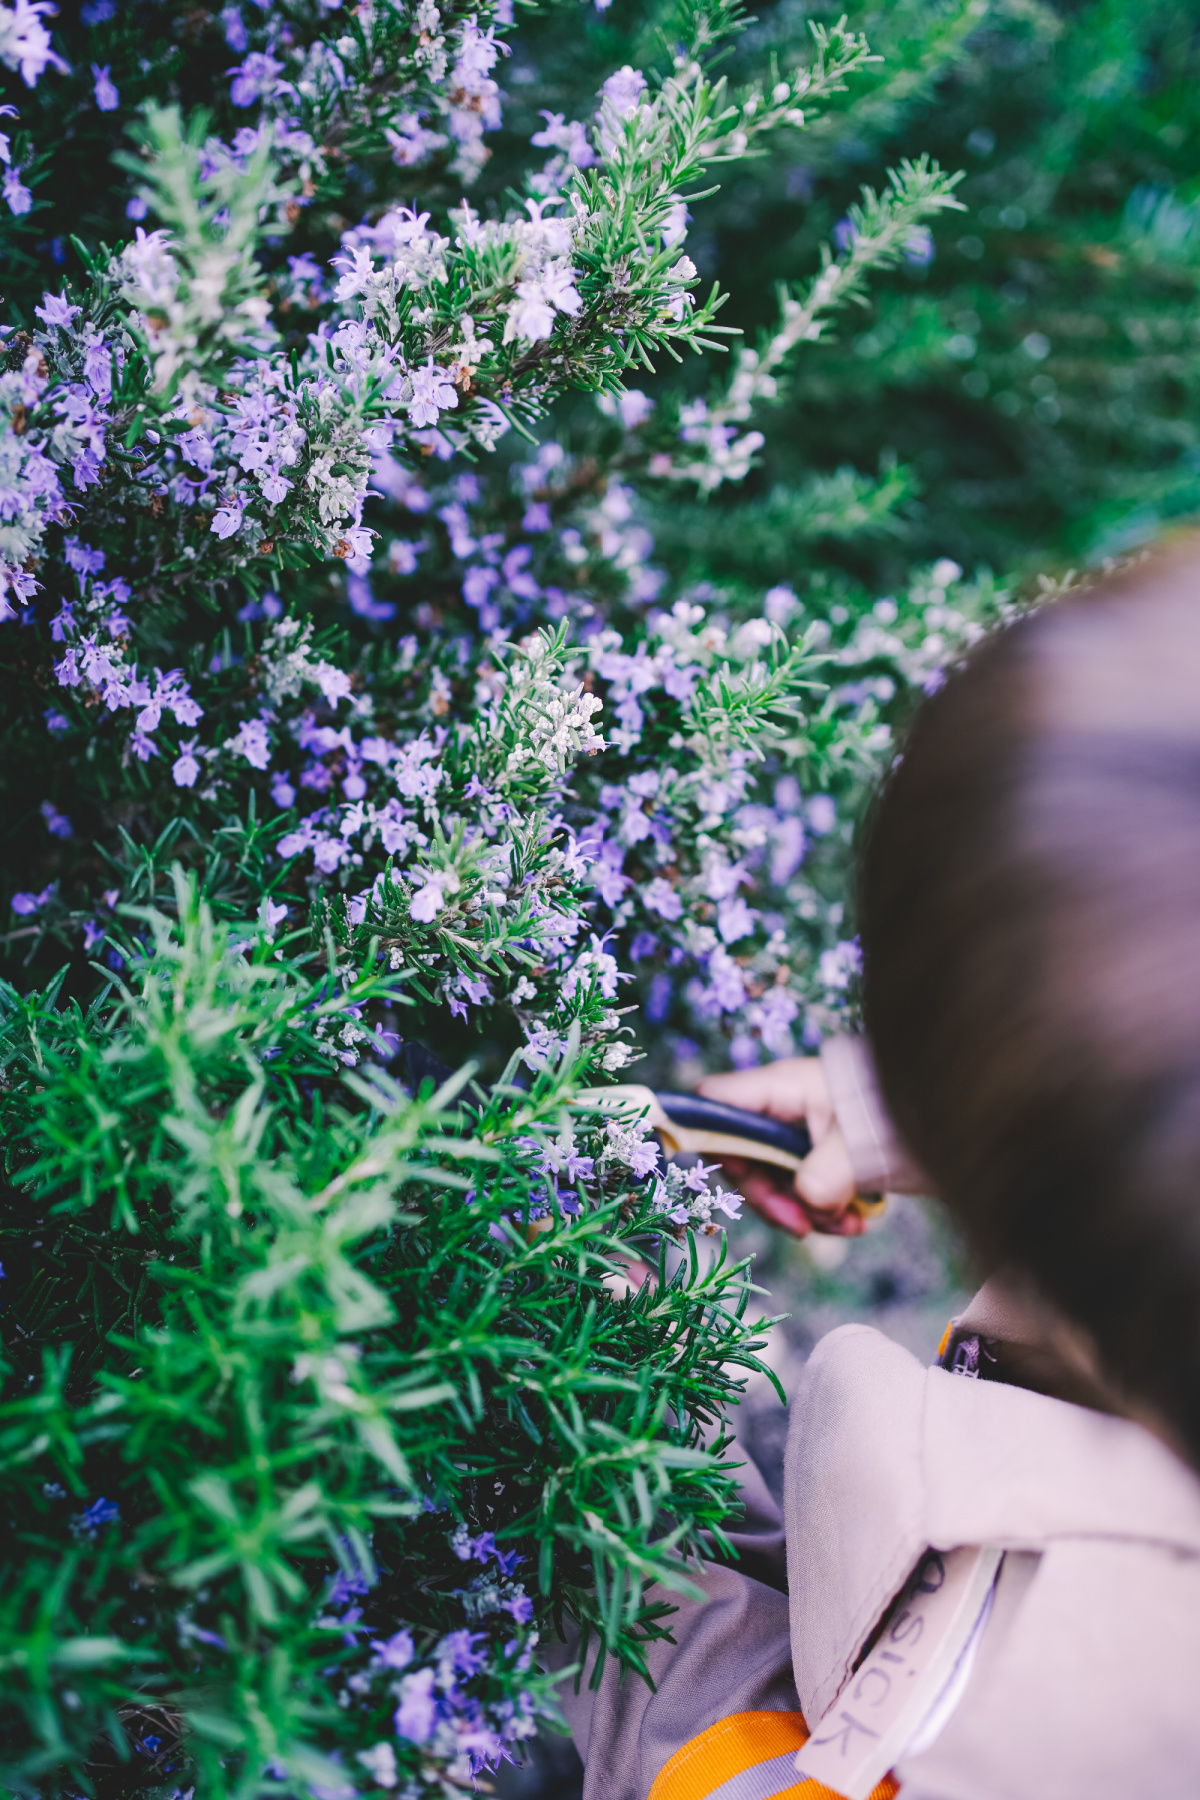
[1030, 919]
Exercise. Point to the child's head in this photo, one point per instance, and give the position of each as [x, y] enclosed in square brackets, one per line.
[1030, 915]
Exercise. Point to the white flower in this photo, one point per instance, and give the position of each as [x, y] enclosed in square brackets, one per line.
[380, 1763]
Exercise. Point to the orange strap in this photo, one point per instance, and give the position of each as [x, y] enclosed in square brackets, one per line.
[748, 1756]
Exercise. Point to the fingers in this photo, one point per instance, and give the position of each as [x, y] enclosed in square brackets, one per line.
[792, 1088]
[764, 1197]
[825, 1179]
[787, 1211]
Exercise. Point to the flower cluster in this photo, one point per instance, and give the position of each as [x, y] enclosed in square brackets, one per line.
[442, 1699]
[315, 593]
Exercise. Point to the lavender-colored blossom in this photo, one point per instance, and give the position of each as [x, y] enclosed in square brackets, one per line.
[17, 195]
[363, 602]
[100, 1512]
[432, 392]
[623, 91]
[186, 768]
[427, 902]
[395, 1652]
[838, 966]
[252, 743]
[660, 897]
[236, 35]
[54, 310]
[459, 1653]
[416, 1715]
[821, 813]
[845, 235]
[658, 1001]
[57, 824]
[735, 919]
[25, 904]
[106, 96]
[25, 42]
[93, 934]
[227, 520]
[254, 78]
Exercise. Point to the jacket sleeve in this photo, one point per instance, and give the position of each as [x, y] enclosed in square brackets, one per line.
[881, 1163]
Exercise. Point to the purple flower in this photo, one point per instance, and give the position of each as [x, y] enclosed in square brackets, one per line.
[54, 310]
[426, 903]
[416, 1715]
[81, 557]
[273, 913]
[57, 824]
[658, 1001]
[30, 903]
[735, 919]
[254, 78]
[251, 742]
[107, 97]
[235, 31]
[660, 897]
[458, 1650]
[93, 934]
[845, 235]
[837, 966]
[919, 250]
[56, 721]
[185, 768]
[623, 90]
[16, 193]
[822, 814]
[100, 1512]
[521, 1608]
[396, 1652]
[227, 520]
[363, 602]
[432, 390]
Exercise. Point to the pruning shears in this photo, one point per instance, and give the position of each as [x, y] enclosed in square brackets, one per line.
[688, 1124]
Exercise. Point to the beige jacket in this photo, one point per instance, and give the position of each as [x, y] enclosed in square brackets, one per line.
[1087, 1681]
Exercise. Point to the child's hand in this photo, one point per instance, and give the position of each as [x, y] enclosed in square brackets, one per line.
[793, 1088]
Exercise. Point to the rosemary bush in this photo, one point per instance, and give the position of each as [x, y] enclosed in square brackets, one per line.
[371, 796]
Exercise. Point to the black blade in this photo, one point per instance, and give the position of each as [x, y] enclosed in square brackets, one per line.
[692, 1111]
